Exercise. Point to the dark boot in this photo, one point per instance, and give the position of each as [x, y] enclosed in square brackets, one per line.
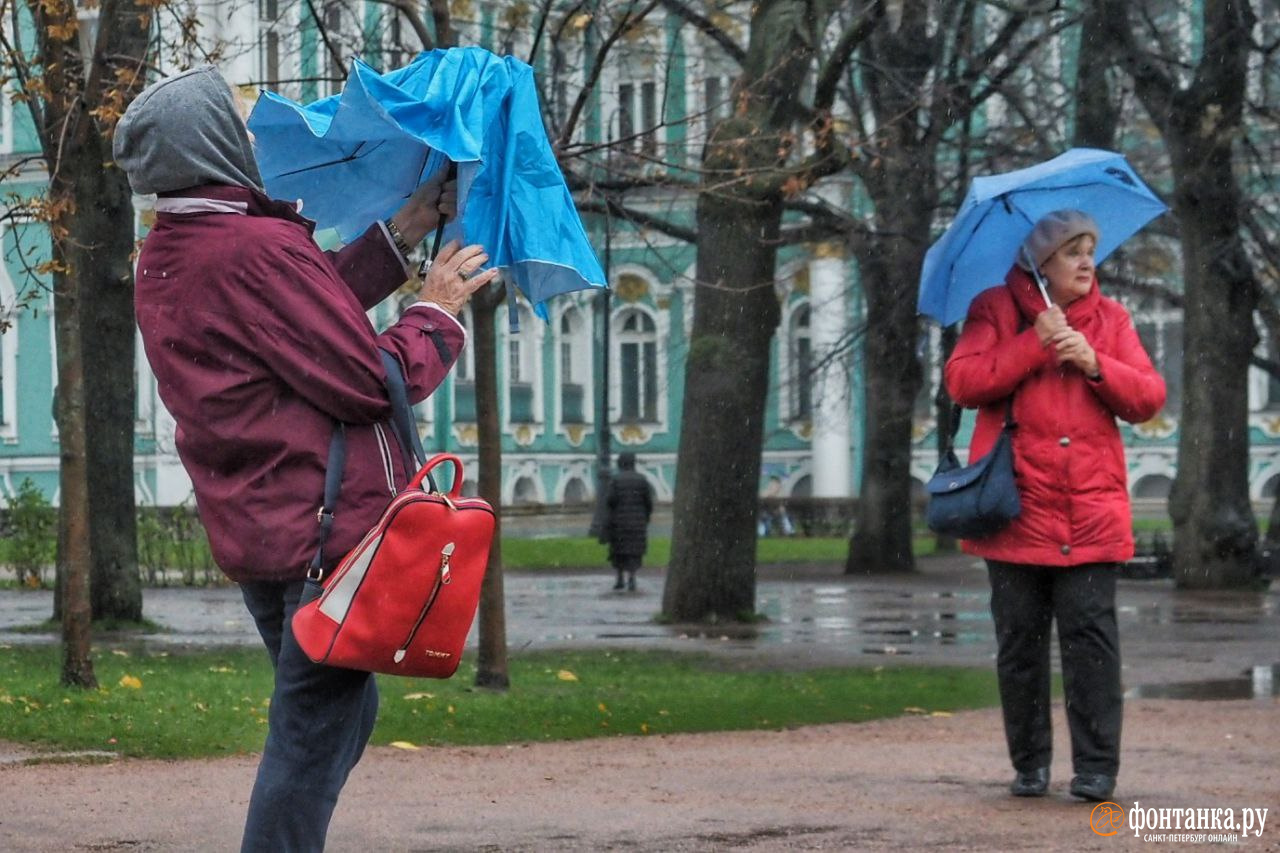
[619, 584]
[1033, 783]
[1095, 787]
[631, 581]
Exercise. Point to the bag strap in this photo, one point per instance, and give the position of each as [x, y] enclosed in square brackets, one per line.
[956, 410]
[410, 445]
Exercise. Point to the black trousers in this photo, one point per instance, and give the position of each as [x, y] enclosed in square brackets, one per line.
[1024, 602]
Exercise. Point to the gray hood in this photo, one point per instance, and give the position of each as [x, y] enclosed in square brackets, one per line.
[185, 131]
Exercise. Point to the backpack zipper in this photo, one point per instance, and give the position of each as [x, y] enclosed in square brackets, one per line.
[442, 579]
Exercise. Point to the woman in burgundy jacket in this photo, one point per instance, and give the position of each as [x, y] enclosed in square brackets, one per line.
[260, 344]
[1072, 369]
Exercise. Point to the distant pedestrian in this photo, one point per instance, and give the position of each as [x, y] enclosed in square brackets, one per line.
[629, 505]
[1072, 369]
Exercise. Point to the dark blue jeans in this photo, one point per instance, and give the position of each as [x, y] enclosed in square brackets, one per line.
[319, 722]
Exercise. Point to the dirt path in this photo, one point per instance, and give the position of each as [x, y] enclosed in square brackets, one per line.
[909, 783]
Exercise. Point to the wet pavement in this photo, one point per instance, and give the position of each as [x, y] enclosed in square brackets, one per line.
[1188, 644]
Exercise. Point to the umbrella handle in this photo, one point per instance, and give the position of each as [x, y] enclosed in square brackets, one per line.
[1035, 273]
[451, 175]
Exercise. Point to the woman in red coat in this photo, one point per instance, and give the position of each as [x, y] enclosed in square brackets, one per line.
[1072, 369]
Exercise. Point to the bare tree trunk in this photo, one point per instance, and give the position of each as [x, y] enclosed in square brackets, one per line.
[713, 551]
[1215, 533]
[882, 538]
[104, 267]
[711, 576]
[74, 557]
[491, 668]
[91, 223]
[902, 184]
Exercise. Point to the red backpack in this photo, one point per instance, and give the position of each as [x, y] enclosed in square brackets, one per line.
[403, 600]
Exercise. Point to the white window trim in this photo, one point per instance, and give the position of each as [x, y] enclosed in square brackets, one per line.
[145, 418]
[9, 355]
[662, 334]
[786, 370]
[583, 362]
[467, 361]
[521, 469]
[533, 333]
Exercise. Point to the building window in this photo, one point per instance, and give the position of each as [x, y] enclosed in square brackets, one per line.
[626, 116]
[801, 356]
[575, 491]
[333, 58]
[574, 353]
[464, 385]
[525, 491]
[1160, 330]
[559, 89]
[638, 367]
[638, 117]
[269, 42]
[522, 371]
[395, 53]
[649, 117]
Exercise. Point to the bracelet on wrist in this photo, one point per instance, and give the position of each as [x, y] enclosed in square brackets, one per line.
[402, 245]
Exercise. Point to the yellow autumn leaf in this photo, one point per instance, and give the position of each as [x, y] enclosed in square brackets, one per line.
[566, 675]
[404, 744]
[941, 714]
[603, 708]
[415, 696]
[912, 709]
[644, 728]
[131, 682]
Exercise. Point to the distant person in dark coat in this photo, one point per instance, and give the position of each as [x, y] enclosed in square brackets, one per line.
[630, 503]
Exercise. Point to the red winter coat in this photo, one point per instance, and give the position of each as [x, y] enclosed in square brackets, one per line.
[1068, 454]
[259, 343]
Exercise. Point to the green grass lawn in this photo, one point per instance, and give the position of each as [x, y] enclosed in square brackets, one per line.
[208, 703]
[565, 552]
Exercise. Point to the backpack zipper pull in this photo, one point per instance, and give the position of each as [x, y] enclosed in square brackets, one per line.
[442, 578]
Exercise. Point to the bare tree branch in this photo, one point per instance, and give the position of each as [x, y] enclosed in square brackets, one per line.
[605, 203]
[625, 22]
[842, 55]
[682, 9]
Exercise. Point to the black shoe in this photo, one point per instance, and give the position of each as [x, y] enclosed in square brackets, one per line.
[1033, 783]
[631, 583]
[619, 584]
[1097, 787]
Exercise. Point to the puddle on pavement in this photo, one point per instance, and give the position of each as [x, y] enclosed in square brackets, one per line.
[1259, 682]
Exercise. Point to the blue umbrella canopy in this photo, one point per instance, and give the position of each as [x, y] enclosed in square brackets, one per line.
[999, 211]
[354, 158]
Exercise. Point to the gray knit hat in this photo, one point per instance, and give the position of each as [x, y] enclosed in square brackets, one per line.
[1051, 232]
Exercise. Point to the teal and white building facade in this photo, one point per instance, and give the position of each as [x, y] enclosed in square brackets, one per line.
[657, 96]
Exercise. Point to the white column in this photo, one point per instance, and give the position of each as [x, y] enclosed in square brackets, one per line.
[173, 486]
[828, 326]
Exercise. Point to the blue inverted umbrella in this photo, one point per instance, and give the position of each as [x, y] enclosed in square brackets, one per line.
[999, 211]
[354, 158]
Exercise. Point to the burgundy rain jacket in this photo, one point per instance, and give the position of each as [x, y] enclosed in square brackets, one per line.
[1068, 453]
[260, 344]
